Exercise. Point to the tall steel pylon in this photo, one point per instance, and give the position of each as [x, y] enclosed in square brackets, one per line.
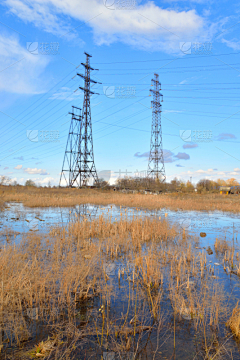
[87, 167]
[156, 168]
[79, 151]
[70, 170]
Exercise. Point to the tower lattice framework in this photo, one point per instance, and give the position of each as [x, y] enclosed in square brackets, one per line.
[79, 155]
[156, 168]
[70, 169]
[87, 167]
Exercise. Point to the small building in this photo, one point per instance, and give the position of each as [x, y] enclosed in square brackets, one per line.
[148, 192]
[225, 190]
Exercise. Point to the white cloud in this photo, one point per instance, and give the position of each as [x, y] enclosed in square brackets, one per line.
[190, 146]
[172, 111]
[194, 1]
[38, 12]
[188, 80]
[201, 172]
[65, 93]
[168, 156]
[234, 173]
[18, 167]
[148, 26]
[23, 77]
[32, 171]
[233, 44]
[210, 174]
[225, 136]
[182, 156]
[46, 180]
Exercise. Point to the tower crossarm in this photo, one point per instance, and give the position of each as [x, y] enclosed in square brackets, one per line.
[87, 66]
[88, 79]
[87, 90]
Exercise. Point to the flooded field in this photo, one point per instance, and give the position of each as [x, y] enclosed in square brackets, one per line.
[109, 282]
[22, 219]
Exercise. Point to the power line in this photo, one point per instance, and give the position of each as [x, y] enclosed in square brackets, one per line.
[153, 60]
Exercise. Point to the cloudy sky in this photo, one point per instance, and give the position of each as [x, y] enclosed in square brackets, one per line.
[194, 46]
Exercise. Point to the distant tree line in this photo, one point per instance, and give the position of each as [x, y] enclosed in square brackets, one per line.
[154, 185]
[175, 185]
[138, 184]
[206, 185]
[6, 180]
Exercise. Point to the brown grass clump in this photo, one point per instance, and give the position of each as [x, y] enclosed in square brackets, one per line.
[221, 246]
[234, 321]
[43, 277]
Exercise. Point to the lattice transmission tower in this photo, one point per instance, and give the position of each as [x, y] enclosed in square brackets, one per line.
[70, 169]
[156, 168]
[82, 167]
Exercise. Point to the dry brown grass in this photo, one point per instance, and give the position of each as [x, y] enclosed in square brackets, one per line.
[221, 246]
[234, 321]
[66, 271]
[32, 197]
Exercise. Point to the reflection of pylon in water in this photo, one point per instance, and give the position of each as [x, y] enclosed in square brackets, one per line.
[84, 210]
[79, 212]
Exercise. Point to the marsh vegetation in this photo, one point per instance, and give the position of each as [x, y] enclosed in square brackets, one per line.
[131, 287]
[32, 196]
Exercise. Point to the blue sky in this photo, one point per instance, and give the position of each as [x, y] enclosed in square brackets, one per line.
[194, 46]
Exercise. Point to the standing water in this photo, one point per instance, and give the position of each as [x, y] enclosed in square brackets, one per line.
[170, 298]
